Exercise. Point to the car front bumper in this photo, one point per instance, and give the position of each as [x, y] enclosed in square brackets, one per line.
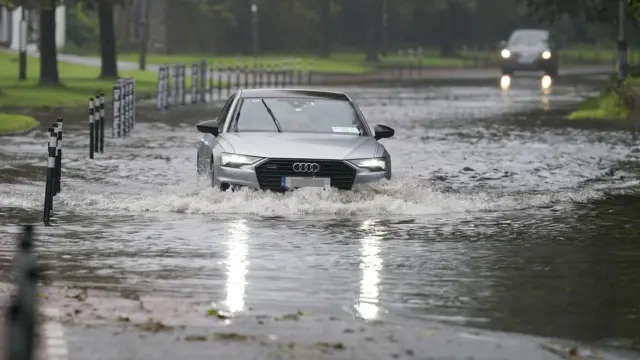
[537, 64]
[249, 176]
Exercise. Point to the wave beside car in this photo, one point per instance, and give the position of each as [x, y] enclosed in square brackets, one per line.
[280, 139]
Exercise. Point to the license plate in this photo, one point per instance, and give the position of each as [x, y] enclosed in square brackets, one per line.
[298, 182]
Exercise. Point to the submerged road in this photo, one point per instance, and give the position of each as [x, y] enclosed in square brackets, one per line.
[495, 223]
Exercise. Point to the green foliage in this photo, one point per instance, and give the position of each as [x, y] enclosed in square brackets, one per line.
[82, 29]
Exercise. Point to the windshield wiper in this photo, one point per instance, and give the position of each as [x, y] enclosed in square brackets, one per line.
[272, 115]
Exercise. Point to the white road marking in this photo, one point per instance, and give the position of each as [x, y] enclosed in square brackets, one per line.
[55, 345]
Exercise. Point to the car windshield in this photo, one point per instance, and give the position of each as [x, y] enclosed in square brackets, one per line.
[528, 37]
[298, 115]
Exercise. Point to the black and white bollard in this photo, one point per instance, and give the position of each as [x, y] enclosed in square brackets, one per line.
[229, 70]
[133, 102]
[162, 88]
[238, 71]
[96, 125]
[91, 128]
[48, 191]
[54, 185]
[22, 315]
[219, 85]
[58, 172]
[116, 125]
[194, 84]
[102, 120]
[175, 84]
[245, 69]
[124, 108]
[202, 76]
[183, 84]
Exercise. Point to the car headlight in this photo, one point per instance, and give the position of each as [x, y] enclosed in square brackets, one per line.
[237, 160]
[546, 54]
[505, 53]
[373, 164]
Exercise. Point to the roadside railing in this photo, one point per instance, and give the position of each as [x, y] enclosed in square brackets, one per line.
[123, 121]
[208, 83]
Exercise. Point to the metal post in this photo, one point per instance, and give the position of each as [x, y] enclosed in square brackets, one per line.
[54, 181]
[22, 59]
[59, 158]
[622, 43]
[203, 81]
[96, 122]
[22, 314]
[102, 120]
[48, 192]
[91, 128]
[116, 126]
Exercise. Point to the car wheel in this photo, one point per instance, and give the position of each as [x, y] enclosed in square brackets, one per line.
[199, 167]
[223, 186]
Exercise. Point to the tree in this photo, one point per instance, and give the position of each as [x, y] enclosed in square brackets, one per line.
[48, 49]
[108, 51]
[47, 39]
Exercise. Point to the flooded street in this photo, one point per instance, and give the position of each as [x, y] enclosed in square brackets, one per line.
[492, 220]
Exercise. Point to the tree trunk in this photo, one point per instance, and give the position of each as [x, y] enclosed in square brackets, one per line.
[108, 53]
[325, 24]
[48, 51]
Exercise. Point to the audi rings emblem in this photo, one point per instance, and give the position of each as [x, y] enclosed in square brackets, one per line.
[306, 167]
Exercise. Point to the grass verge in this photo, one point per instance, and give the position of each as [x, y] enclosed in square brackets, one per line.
[608, 105]
[10, 123]
[79, 83]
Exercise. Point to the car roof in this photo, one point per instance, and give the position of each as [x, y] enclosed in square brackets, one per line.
[292, 93]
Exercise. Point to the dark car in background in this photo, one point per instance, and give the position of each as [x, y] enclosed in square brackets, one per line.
[529, 50]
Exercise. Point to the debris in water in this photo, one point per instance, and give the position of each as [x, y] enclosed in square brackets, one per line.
[195, 338]
[217, 313]
[233, 336]
[154, 326]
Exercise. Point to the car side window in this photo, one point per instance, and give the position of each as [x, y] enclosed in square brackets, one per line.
[225, 111]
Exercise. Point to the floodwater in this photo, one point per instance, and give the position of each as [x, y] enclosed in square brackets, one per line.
[492, 220]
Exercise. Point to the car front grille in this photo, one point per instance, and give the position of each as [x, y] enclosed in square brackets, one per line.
[270, 172]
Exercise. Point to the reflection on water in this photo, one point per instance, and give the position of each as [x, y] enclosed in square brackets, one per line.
[371, 265]
[545, 82]
[237, 250]
[545, 99]
[505, 82]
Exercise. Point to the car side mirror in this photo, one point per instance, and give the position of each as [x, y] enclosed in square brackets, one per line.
[383, 132]
[208, 127]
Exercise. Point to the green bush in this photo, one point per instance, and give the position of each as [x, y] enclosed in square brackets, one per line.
[82, 31]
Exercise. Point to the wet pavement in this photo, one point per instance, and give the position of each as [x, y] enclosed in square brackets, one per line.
[494, 223]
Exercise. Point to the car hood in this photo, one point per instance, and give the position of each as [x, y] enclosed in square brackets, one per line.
[304, 145]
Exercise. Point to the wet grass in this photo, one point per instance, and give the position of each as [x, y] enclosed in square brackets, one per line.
[608, 105]
[78, 83]
[10, 123]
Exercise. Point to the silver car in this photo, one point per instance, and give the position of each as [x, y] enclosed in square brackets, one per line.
[281, 139]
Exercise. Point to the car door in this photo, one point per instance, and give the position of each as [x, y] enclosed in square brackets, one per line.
[208, 141]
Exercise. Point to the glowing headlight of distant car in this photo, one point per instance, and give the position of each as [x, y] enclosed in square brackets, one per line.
[236, 160]
[505, 54]
[546, 54]
[373, 164]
